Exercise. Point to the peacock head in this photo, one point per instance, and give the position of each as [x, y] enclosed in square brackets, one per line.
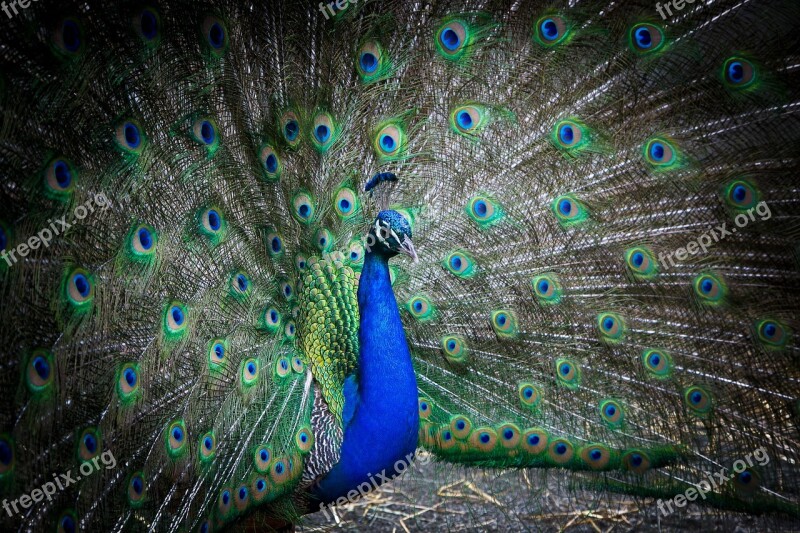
[391, 235]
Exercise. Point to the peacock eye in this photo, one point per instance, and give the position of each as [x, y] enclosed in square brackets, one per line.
[147, 25]
[455, 348]
[697, 399]
[568, 373]
[738, 72]
[304, 207]
[129, 137]
[89, 444]
[611, 412]
[290, 126]
[772, 333]
[68, 37]
[346, 203]
[175, 322]
[249, 372]
[709, 288]
[216, 35]
[660, 153]
[389, 141]
[569, 210]
[274, 243]
[356, 255]
[452, 39]
[569, 134]
[551, 30]
[79, 288]
[469, 119]
[460, 264]
[504, 323]
[611, 326]
[323, 131]
[646, 38]
[59, 178]
[740, 194]
[641, 262]
[324, 239]
[370, 57]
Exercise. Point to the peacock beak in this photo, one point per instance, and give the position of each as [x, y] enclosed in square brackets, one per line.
[407, 247]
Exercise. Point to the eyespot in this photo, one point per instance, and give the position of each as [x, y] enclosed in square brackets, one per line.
[569, 135]
[298, 365]
[208, 447]
[259, 488]
[346, 203]
[147, 25]
[287, 289]
[304, 207]
[89, 444]
[7, 456]
[290, 330]
[641, 262]
[596, 456]
[420, 307]
[551, 30]
[529, 394]
[390, 141]
[301, 262]
[741, 195]
[4, 236]
[224, 502]
[283, 367]
[484, 211]
[443, 437]
[370, 62]
[510, 436]
[67, 522]
[136, 489]
[242, 498]
[452, 39]
[304, 439]
[646, 38]
[323, 239]
[461, 426]
[249, 372]
[324, 131]
[697, 399]
[79, 288]
[290, 126]
[424, 408]
[547, 288]
[636, 461]
[212, 223]
[771, 333]
[568, 373]
[356, 255]
[40, 371]
[128, 382]
[239, 284]
[204, 132]
[660, 153]
[217, 353]
[68, 37]
[569, 210]
[272, 163]
[274, 243]
[709, 289]
[59, 178]
[279, 472]
[460, 264]
[468, 119]
[262, 458]
[611, 413]
[455, 348]
[738, 72]
[611, 327]
[483, 439]
[534, 440]
[658, 363]
[746, 482]
[504, 323]
[129, 137]
[142, 242]
[271, 320]
[176, 438]
[560, 451]
[175, 320]
[216, 35]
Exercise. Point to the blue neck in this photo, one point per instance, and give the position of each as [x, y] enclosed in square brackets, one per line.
[384, 425]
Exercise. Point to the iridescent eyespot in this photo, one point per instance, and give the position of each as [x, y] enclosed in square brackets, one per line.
[709, 288]
[504, 323]
[346, 203]
[611, 413]
[483, 439]
[89, 444]
[224, 502]
[298, 365]
[249, 372]
[129, 137]
[147, 25]
[468, 119]
[390, 140]
[259, 488]
[570, 136]
[510, 436]
[324, 131]
[567, 373]
[7, 455]
[128, 382]
[452, 39]
[636, 461]
[67, 522]
[455, 348]
[461, 426]
[287, 289]
[242, 498]
[301, 262]
[303, 207]
[68, 36]
[262, 458]
[207, 447]
[239, 284]
[738, 72]
[569, 210]
[596, 456]
[611, 327]
[5, 237]
[212, 223]
[646, 38]
[204, 131]
[424, 408]
[529, 394]
[771, 333]
[136, 490]
[421, 307]
[290, 126]
[142, 242]
[40, 371]
[534, 440]
[747, 481]
[283, 367]
[272, 163]
[741, 195]
[289, 330]
[176, 438]
[79, 288]
[641, 262]
[551, 30]
[356, 253]
[484, 211]
[561, 451]
[217, 353]
[274, 243]
[660, 153]
[697, 399]
[304, 439]
[460, 264]
[370, 62]
[216, 35]
[59, 178]
[658, 363]
[547, 288]
[443, 437]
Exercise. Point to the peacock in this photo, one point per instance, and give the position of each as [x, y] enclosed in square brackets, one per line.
[256, 255]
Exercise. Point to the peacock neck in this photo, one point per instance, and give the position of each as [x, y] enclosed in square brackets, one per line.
[382, 431]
